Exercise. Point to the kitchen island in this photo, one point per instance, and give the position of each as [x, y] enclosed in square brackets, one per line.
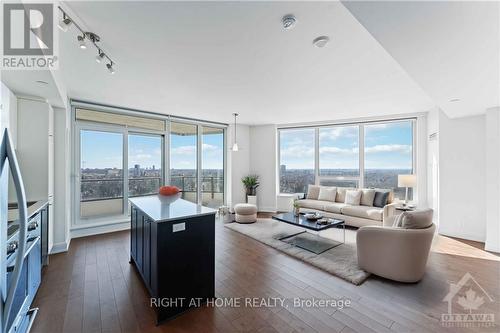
[172, 244]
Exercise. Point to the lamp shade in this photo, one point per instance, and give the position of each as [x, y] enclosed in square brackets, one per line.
[407, 180]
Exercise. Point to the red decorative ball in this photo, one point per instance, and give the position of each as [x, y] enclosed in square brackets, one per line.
[169, 190]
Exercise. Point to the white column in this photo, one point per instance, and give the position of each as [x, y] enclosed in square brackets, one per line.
[493, 179]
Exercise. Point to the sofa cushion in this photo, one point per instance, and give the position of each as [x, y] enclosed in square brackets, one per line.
[353, 197]
[341, 193]
[372, 213]
[312, 192]
[327, 193]
[390, 198]
[418, 219]
[367, 197]
[381, 199]
[334, 207]
[312, 204]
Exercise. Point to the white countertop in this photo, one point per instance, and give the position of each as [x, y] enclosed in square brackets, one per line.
[166, 208]
[13, 214]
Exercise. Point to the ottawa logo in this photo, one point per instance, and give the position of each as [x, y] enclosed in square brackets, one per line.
[465, 300]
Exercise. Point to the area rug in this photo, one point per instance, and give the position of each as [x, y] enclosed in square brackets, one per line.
[340, 261]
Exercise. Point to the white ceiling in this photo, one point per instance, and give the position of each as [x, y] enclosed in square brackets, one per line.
[24, 83]
[208, 60]
[450, 48]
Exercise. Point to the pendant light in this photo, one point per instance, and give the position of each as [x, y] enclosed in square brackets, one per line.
[235, 144]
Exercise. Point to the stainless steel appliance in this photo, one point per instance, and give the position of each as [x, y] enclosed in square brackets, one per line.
[18, 248]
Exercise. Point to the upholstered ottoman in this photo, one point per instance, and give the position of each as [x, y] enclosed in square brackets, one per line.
[245, 213]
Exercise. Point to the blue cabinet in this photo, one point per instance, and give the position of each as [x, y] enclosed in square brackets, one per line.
[175, 258]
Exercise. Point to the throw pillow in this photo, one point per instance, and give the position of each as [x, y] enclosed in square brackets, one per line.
[327, 193]
[367, 197]
[341, 194]
[312, 192]
[381, 199]
[353, 197]
[418, 219]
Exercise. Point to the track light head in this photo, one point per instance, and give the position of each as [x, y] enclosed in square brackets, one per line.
[100, 57]
[82, 42]
[110, 68]
[64, 23]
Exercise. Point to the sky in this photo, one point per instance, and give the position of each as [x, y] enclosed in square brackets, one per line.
[387, 146]
[104, 150]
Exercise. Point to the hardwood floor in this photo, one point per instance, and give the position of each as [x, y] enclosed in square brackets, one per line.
[93, 288]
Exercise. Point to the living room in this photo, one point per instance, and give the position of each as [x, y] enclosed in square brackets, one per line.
[250, 166]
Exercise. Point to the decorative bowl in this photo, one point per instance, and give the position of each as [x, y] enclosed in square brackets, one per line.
[312, 216]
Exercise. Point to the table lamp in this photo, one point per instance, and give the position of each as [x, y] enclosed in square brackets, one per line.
[407, 181]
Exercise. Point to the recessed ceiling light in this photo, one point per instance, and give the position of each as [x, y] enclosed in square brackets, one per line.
[41, 82]
[321, 41]
[288, 21]
[453, 100]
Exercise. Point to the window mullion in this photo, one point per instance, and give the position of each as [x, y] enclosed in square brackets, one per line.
[316, 156]
[361, 145]
[125, 171]
[199, 144]
[166, 154]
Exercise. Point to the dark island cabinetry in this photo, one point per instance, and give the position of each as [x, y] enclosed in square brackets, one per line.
[172, 245]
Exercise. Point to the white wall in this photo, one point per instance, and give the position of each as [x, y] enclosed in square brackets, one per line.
[421, 141]
[238, 164]
[8, 119]
[433, 162]
[33, 148]
[62, 199]
[493, 179]
[462, 181]
[8, 116]
[263, 162]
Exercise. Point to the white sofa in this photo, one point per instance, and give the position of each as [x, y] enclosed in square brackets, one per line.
[333, 204]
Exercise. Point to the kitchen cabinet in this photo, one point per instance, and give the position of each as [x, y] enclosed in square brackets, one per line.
[172, 244]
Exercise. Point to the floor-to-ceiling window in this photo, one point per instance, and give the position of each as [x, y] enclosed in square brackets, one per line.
[121, 154]
[101, 175]
[145, 164]
[339, 156]
[297, 164]
[184, 159]
[212, 164]
[369, 155]
[388, 153]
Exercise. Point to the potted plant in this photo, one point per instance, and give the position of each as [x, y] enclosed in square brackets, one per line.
[296, 208]
[251, 182]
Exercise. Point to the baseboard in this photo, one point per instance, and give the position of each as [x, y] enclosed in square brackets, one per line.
[96, 230]
[489, 248]
[60, 247]
[475, 238]
[267, 209]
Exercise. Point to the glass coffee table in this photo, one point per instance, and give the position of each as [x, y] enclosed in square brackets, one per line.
[310, 241]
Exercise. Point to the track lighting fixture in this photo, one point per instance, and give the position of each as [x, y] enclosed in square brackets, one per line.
[86, 38]
[64, 23]
[99, 57]
[81, 41]
[110, 68]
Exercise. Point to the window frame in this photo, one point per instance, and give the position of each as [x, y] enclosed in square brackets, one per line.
[76, 126]
[361, 144]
